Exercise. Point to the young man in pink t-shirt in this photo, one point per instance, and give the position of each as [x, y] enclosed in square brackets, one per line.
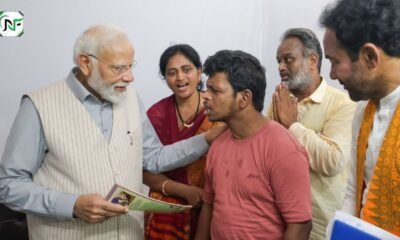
[257, 182]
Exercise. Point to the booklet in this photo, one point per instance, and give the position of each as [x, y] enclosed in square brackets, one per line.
[137, 201]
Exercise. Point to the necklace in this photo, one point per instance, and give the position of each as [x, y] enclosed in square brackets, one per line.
[187, 125]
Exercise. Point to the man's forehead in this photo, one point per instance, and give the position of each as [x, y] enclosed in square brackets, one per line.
[218, 80]
[120, 45]
[330, 38]
[218, 76]
[290, 46]
[121, 52]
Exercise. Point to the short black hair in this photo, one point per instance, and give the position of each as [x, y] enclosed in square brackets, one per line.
[309, 40]
[243, 71]
[186, 50]
[357, 22]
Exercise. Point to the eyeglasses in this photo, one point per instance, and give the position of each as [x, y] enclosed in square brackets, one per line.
[116, 69]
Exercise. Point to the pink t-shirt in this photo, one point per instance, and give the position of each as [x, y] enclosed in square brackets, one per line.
[258, 184]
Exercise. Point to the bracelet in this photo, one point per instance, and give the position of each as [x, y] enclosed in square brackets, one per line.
[163, 187]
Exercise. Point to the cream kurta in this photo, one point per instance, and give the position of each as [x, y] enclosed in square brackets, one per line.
[324, 128]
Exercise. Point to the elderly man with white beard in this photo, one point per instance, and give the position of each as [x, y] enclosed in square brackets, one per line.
[319, 116]
[74, 139]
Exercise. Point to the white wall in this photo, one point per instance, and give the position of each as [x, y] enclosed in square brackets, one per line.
[44, 53]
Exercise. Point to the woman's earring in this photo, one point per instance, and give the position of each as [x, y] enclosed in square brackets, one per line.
[200, 86]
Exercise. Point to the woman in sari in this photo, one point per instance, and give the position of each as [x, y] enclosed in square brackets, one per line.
[177, 117]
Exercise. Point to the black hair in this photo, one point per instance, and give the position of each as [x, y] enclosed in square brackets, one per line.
[357, 22]
[243, 71]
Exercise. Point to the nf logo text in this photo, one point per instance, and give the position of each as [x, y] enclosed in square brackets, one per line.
[11, 24]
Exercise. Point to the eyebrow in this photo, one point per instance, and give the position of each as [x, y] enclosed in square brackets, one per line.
[212, 87]
[185, 65]
[286, 54]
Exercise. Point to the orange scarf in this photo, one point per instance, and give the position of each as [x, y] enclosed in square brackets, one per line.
[382, 206]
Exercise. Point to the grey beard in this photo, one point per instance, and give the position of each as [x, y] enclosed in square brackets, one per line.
[107, 92]
[300, 81]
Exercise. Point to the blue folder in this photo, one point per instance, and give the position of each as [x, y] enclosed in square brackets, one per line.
[342, 231]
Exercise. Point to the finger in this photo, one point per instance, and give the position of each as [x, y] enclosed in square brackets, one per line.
[93, 208]
[283, 88]
[285, 93]
[92, 218]
[97, 219]
[199, 203]
[295, 101]
[278, 91]
[114, 208]
[103, 210]
[104, 214]
[274, 107]
[277, 87]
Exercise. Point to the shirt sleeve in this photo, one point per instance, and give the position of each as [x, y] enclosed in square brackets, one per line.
[290, 181]
[208, 192]
[160, 158]
[23, 155]
[328, 150]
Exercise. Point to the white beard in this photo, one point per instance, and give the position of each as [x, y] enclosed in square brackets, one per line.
[106, 91]
[301, 80]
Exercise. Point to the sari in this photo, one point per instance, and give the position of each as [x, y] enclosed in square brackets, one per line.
[180, 225]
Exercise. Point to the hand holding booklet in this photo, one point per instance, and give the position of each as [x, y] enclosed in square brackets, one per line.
[137, 201]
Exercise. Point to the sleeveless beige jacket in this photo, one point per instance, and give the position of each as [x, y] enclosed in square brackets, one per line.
[81, 161]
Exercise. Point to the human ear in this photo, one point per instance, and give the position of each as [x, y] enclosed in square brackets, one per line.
[83, 63]
[246, 98]
[370, 54]
[200, 84]
[314, 60]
